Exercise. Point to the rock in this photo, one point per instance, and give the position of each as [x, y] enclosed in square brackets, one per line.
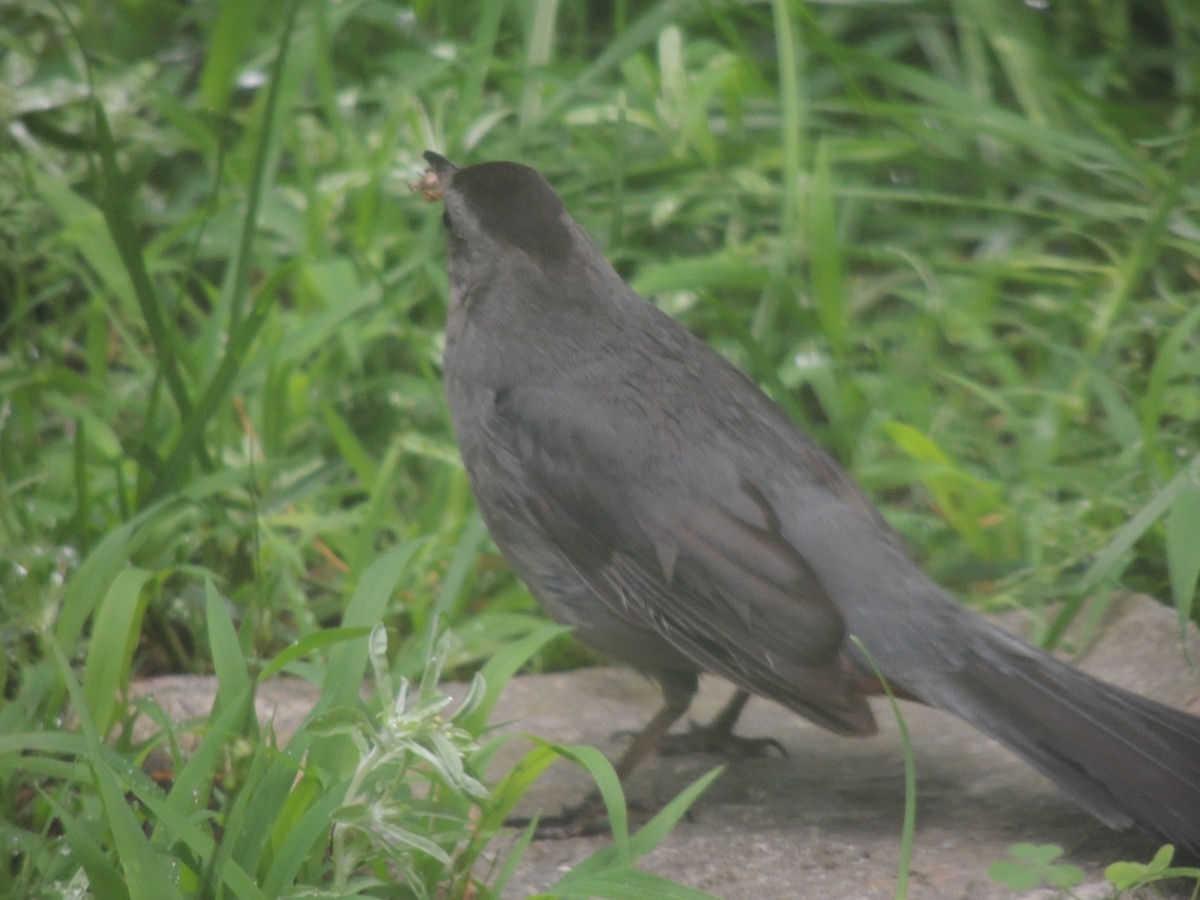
[825, 821]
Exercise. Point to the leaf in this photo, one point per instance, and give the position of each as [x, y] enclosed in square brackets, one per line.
[348, 663]
[229, 663]
[609, 786]
[647, 838]
[147, 877]
[1033, 865]
[314, 640]
[1183, 549]
[514, 784]
[114, 638]
[1014, 875]
[502, 666]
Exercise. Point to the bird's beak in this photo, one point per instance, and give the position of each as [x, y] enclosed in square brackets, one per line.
[433, 183]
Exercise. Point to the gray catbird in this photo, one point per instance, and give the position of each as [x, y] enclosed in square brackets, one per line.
[652, 497]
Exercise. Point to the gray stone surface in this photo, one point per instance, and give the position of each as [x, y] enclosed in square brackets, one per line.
[825, 821]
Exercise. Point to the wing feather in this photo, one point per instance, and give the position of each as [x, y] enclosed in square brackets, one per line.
[705, 565]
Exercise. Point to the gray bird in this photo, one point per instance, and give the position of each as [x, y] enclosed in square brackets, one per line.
[654, 499]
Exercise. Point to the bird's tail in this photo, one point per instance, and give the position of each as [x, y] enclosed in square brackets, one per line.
[1126, 759]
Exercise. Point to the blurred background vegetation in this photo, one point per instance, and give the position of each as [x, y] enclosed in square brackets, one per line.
[959, 240]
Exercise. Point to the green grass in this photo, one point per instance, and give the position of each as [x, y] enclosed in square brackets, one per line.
[959, 241]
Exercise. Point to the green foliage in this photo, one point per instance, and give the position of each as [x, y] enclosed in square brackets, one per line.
[1130, 876]
[610, 872]
[409, 793]
[1033, 866]
[908, 830]
[959, 241]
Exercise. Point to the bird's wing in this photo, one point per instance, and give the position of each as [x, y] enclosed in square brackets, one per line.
[693, 551]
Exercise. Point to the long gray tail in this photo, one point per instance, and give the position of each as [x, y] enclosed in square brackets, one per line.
[1126, 759]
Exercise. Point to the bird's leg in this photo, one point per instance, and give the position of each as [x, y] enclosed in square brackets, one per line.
[677, 697]
[718, 737]
[590, 816]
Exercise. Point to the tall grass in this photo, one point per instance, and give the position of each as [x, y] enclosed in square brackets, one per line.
[959, 241]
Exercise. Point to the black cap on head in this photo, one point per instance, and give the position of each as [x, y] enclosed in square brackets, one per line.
[442, 166]
[513, 204]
